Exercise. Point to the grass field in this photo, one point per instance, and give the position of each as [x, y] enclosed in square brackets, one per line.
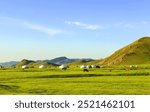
[74, 81]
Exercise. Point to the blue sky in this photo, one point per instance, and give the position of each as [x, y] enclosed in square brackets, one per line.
[45, 29]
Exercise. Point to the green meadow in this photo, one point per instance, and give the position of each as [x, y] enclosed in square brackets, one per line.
[52, 81]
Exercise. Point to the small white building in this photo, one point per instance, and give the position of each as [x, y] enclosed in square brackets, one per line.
[83, 67]
[63, 67]
[42, 66]
[88, 66]
[24, 67]
[101, 66]
[93, 66]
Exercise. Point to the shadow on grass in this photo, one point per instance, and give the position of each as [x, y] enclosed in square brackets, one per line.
[37, 91]
[89, 75]
[68, 76]
[8, 88]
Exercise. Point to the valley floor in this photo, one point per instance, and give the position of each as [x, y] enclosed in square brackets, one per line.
[75, 82]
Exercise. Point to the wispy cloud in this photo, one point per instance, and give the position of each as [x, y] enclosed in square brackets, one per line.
[83, 25]
[129, 25]
[44, 29]
[31, 26]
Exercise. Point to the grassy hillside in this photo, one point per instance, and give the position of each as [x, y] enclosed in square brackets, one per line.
[31, 63]
[24, 62]
[137, 52]
[81, 62]
[37, 64]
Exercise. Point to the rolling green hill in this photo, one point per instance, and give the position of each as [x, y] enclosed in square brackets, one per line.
[80, 62]
[31, 63]
[137, 52]
[24, 62]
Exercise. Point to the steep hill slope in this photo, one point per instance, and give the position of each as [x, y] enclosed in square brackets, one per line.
[137, 52]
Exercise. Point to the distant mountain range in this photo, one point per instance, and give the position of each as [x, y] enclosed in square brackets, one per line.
[33, 64]
[55, 61]
[61, 60]
[11, 63]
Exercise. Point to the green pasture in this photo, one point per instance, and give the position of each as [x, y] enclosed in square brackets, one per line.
[52, 81]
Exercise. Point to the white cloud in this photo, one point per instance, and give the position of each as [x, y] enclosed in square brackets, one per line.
[30, 25]
[83, 25]
[129, 25]
[47, 30]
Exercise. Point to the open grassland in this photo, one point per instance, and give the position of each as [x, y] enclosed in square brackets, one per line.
[74, 81]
